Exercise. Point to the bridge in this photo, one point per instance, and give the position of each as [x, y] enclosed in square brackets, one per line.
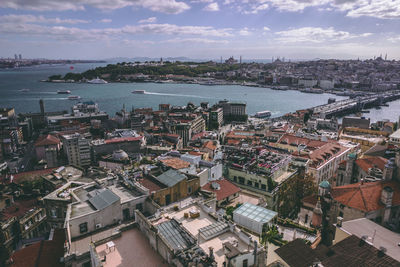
[354, 105]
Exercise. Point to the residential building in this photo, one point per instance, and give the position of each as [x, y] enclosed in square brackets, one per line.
[77, 148]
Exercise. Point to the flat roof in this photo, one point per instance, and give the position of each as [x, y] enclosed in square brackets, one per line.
[255, 213]
[132, 246]
[382, 237]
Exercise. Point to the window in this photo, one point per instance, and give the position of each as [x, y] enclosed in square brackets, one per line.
[306, 219]
[256, 185]
[241, 180]
[83, 227]
[53, 213]
[235, 178]
[189, 189]
[139, 206]
[245, 263]
[263, 187]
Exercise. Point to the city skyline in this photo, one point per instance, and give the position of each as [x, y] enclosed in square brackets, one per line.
[200, 29]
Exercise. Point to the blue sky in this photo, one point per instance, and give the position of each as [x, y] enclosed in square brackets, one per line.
[201, 29]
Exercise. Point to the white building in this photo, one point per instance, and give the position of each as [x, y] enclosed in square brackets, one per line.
[394, 138]
[253, 217]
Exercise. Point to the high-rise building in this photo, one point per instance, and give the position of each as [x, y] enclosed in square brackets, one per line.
[77, 148]
[19, 56]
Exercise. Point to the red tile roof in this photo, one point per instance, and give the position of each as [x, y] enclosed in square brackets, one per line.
[210, 145]
[149, 184]
[18, 209]
[123, 139]
[175, 163]
[47, 140]
[365, 197]
[366, 163]
[46, 253]
[226, 189]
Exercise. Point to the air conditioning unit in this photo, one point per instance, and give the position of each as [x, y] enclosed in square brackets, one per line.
[98, 226]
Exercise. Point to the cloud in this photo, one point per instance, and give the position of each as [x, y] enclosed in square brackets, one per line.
[315, 35]
[244, 32]
[265, 28]
[163, 6]
[73, 33]
[170, 29]
[383, 9]
[148, 20]
[38, 19]
[105, 20]
[394, 39]
[196, 40]
[212, 7]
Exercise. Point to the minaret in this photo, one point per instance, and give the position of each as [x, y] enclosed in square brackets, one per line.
[316, 219]
[240, 60]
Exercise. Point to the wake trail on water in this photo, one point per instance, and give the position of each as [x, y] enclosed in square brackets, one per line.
[37, 99]
[179, 95]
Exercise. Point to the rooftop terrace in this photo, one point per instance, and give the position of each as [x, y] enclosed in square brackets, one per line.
[131, 247]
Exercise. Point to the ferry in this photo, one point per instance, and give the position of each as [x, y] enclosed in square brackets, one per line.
[140, 92]
[74, 97]
[263, 114]
[97, 81]
[65, 92]
[312, 91]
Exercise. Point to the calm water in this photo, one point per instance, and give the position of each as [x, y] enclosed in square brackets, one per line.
[111, 97]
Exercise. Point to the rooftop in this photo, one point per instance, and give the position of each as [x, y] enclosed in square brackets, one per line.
[102, 198]
[365, 196]
[255, 213]
[378, 236]
[132, 246]
[175, 163]
[175, 235]
[47, 140]
[224, 190]
[170, 178]
[45, 253]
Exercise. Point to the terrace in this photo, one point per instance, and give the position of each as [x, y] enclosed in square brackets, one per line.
[132, 246]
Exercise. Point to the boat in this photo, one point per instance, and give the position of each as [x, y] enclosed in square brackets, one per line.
[140, 92]
[263, 114]
[74, 97]
[97, 81]
[312, 91]
[65, 92]
[24, 90]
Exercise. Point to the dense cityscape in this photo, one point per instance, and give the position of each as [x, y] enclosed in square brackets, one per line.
[373, 75]
[208, 185]
[199, 133]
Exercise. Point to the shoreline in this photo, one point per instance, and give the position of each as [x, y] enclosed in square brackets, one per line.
[338, 92]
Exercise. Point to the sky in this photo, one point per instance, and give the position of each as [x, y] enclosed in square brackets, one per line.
[200, 29]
